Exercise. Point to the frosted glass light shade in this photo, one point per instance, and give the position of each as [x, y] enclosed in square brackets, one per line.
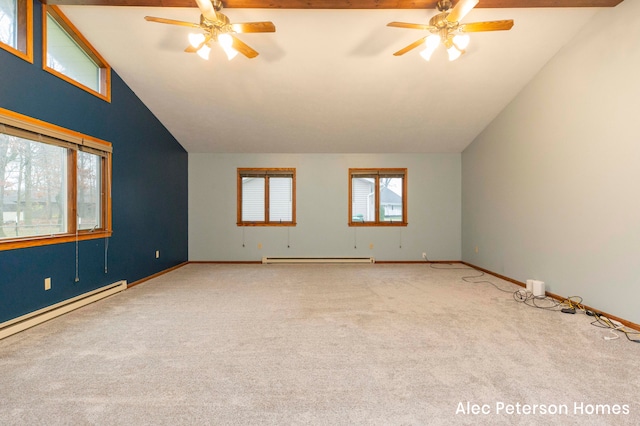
[432, 43]
[461, 41]
[196, 40]
[204, 51]
[453, 53]
[226, 42]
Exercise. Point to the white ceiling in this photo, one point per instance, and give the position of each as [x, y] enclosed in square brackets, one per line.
[326, 81]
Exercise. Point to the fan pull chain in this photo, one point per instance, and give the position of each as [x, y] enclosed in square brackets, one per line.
[400, 232]
[243, 236]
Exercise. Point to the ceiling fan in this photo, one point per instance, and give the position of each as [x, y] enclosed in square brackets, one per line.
[446, 29]
[216, 27]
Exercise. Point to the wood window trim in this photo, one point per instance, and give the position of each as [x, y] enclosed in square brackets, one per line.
[377, 173]
[24, 49]
[267, 172]
[76, 35]
[14, 119]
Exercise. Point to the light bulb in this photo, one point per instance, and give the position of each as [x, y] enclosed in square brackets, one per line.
[195, 40]
[226, 41]
[454, 53]
[203, 52]
[431, 43]
[461, 41]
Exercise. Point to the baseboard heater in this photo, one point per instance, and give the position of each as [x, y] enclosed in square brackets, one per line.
[318, 260]
[45, 314]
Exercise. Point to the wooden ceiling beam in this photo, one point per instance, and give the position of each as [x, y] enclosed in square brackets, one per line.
[338, 4]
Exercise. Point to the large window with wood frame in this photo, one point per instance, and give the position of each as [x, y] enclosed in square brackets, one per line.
[377, 197]
[16, 27]
[266, 197]
[68, 55]
[55, 184]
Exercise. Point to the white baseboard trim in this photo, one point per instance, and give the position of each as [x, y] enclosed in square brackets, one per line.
[31, 319]
[318, 260]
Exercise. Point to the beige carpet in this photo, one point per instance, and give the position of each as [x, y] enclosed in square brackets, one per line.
[317, 344]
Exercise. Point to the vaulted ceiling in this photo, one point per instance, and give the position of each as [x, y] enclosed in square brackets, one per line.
[327, 80]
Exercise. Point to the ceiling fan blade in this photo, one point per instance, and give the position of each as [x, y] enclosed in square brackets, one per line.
[241, 47]
[254, 27]
[207, 9]
[461, 9]
[410, 47]
[171, 21]
[487, 26]
[412, 26]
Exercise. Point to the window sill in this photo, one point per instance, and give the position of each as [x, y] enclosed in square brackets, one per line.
[266, 224]
[380, 224]
[18, 243]
[104, 96]
[26, 55]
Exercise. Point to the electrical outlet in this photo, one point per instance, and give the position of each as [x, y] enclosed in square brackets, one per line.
[259, 246]
[47, 283]
[424, 256]
[157, 254]
[476, 249]
[371, 246]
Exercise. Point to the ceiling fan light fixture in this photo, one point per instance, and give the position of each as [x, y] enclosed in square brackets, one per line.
[451, 32]
[204, 51]
[454, 52]
[461, 41]
[195, 40]
[432, 42]
[226, 41]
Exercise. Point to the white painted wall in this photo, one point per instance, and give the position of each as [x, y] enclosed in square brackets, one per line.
[551, 189]
[434, 209]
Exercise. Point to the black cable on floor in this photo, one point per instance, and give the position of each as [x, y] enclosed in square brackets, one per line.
[573, 303]
[468, 278]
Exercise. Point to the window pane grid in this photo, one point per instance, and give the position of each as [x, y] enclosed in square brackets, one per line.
[390, 207]
[280, 199]
[253, 205]
[67, 57]
[33, 192]
[89, 191]
[51, 190]
[377, 197]
[266, 197]
[363, 202]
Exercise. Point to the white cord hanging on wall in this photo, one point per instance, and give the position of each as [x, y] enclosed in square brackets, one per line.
[77, 254]
[355, 238]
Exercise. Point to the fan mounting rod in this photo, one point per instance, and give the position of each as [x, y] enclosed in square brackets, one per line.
[443, 5]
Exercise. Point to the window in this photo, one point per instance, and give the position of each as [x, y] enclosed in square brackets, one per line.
[377, 197]
[266, 197]
[16, 28]
[54, 184]
[69, 56]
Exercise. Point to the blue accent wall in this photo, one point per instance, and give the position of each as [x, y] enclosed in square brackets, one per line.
[149, 188]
